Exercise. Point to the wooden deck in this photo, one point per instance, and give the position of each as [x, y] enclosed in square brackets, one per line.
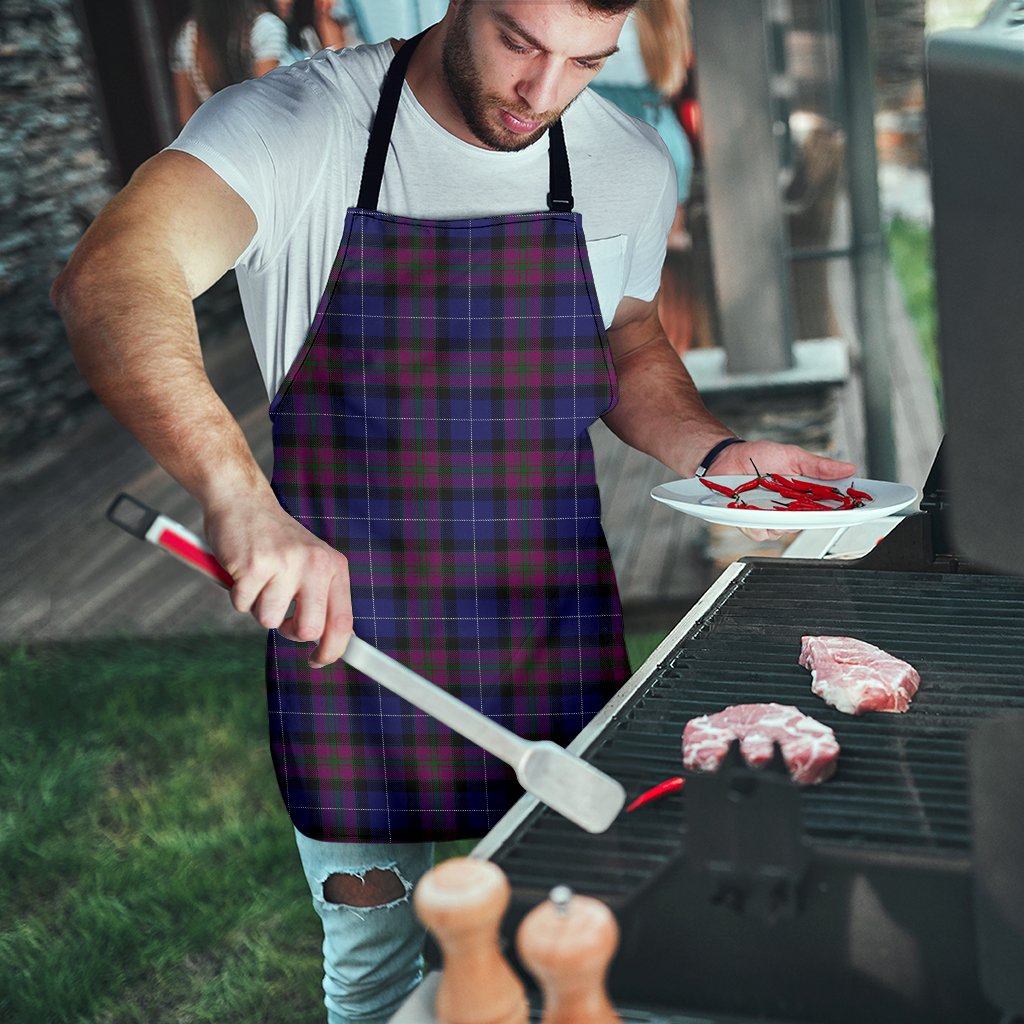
[69, 574]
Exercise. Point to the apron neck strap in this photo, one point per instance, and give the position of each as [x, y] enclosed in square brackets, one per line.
[560, 194]
[383, 122]
[559, 198]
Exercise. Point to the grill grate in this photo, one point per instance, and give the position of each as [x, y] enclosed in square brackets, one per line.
[901, 787]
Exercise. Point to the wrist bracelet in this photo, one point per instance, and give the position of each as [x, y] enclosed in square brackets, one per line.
[705, 463]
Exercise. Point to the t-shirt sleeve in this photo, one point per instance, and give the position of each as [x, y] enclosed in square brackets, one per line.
[268, 139]
[652, 234]
[269, 38]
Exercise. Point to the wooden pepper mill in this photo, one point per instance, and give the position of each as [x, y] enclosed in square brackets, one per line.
[462, 901]
[567, 943]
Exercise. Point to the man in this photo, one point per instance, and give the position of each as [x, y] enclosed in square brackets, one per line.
[433, 375]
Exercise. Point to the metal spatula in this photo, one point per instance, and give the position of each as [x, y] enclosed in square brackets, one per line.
[577, 790]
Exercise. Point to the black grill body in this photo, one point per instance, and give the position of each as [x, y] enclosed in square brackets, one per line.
[844, 902]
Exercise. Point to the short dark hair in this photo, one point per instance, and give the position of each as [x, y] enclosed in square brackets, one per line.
[609, 6]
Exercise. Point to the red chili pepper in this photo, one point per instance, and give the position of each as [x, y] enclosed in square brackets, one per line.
[749, 485]
[807, 505]
[729, 493]
[788, 492]
[862, 495]
[793, 485]
[770, 484]
[656, 792]
[809, 487]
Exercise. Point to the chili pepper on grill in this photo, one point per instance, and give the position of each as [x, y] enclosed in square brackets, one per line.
[656, 792]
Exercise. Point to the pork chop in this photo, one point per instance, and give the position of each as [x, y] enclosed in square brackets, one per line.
[809, 748]
[854, 676]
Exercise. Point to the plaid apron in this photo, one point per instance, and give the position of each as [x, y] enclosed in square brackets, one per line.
[434, 430]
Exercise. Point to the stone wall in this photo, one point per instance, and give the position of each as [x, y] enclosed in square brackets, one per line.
[54, 178]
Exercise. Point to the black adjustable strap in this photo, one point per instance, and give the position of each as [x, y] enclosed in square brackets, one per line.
[383, 122]
[560, 197]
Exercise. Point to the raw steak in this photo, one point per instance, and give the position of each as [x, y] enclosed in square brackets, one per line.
[809, 748]
[855, 677]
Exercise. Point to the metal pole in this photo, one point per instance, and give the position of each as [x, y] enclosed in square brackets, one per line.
[868, 241]
[741, 163]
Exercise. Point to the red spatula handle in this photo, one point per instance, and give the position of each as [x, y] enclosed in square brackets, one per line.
[147, 524]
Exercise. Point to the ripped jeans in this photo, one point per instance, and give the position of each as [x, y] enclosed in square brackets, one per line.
[373, 943]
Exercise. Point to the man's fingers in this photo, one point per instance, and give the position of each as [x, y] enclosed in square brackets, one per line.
[819, 468]
[763, 535]
[306, 623]
[249, 583]
[338, 622]
[271, 606]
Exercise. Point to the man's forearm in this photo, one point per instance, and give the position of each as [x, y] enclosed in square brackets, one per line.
[126, 298]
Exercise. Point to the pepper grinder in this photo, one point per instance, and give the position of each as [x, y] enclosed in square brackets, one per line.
[462, 901]
[567, 943]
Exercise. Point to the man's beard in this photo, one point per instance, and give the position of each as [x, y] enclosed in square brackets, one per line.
[465, 85]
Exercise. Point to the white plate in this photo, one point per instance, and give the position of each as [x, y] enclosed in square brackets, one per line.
[693, 498]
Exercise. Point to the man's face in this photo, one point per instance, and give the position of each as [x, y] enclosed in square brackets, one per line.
[513, 66]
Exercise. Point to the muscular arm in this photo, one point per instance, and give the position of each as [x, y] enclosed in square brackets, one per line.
[660, 412]
[126, 300]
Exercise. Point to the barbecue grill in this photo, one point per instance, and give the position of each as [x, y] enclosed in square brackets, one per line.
[746, 897]
[894, 892]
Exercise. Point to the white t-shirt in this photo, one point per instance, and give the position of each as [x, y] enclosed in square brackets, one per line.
[292, 144]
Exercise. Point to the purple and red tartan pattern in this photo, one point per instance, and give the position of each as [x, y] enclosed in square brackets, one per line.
[434, 430]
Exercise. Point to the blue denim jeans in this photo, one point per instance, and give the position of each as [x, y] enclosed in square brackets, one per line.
[373, 956]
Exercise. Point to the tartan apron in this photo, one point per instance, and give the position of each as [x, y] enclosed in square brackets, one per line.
[434, 430]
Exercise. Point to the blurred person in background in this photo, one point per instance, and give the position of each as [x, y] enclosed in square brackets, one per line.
[373, 21]
[314, 25]
[221, 43]
[645, 78]
[648, 73]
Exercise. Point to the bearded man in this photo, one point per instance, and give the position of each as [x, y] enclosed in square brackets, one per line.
[448, 253]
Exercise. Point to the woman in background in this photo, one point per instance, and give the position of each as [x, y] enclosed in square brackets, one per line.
[221, 43]
[313, 25]
[648, 72]
[645, 79]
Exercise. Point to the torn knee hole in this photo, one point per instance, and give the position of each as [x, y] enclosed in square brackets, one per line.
[378, 886]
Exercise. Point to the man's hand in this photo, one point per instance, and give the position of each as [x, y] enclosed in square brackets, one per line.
[276, 562]
[772, 457]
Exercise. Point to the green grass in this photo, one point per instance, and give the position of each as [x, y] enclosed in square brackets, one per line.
[147, 867]
[910, 248]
